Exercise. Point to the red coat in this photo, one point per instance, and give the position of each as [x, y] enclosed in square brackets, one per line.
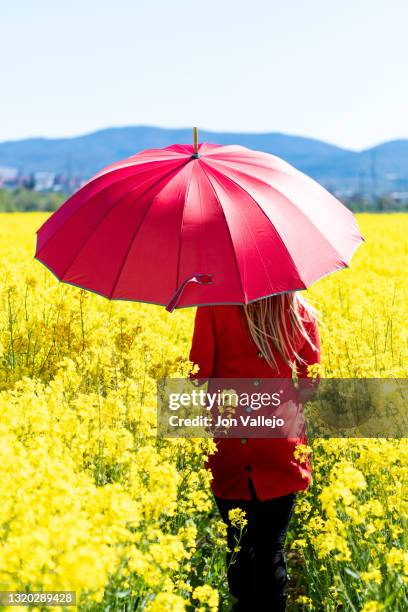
[223, 348]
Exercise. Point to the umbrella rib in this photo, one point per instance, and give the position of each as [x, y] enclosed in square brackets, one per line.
[138, 227]
[276, 232]
[291, 203]
[94, 229]
[101, 220]
[130, 161]
[288, 169]
[79, 208]
[229, 232]
[181, 227]
[272, 224]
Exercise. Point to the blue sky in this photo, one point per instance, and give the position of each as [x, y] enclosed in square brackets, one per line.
[334, 70]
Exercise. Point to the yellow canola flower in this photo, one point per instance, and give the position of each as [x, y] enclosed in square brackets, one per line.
[166, 602]
[92, 500]
[237, 516]
[208, 596]
[372, 575]
[372, 606]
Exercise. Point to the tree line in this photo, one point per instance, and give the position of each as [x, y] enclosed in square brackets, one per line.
[26, 200]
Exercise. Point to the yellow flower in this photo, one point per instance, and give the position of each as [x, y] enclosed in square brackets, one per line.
[166, 602]
[372, 575]
[237, 517]
[207, 595]
[372, 606]
[97, 499]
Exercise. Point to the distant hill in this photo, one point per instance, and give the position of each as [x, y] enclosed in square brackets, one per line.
[381, 168]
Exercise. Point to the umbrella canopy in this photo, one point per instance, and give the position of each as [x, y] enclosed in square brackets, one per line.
[209, 224]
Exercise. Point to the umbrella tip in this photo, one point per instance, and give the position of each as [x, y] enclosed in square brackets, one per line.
[195, 141]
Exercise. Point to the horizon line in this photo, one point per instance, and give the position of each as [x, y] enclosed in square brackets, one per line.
[173, 129]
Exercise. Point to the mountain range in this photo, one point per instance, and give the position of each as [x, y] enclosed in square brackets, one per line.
[382, 168]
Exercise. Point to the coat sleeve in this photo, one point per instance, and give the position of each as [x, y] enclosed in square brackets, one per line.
[202, 350]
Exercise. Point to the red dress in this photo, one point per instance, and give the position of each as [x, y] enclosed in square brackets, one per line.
[223, 348]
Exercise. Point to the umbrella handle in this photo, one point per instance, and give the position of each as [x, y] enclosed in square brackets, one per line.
[202, 279]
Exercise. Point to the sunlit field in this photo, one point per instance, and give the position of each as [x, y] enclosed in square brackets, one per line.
[91, 501]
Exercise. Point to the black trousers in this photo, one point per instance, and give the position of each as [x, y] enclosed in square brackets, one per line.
[258, 577]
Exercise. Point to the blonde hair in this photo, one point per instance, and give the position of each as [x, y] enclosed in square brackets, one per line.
[267, 322]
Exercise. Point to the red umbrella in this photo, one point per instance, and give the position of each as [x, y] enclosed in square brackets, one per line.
[188, 225]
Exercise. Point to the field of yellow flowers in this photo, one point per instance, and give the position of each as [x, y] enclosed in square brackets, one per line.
[92, 501]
